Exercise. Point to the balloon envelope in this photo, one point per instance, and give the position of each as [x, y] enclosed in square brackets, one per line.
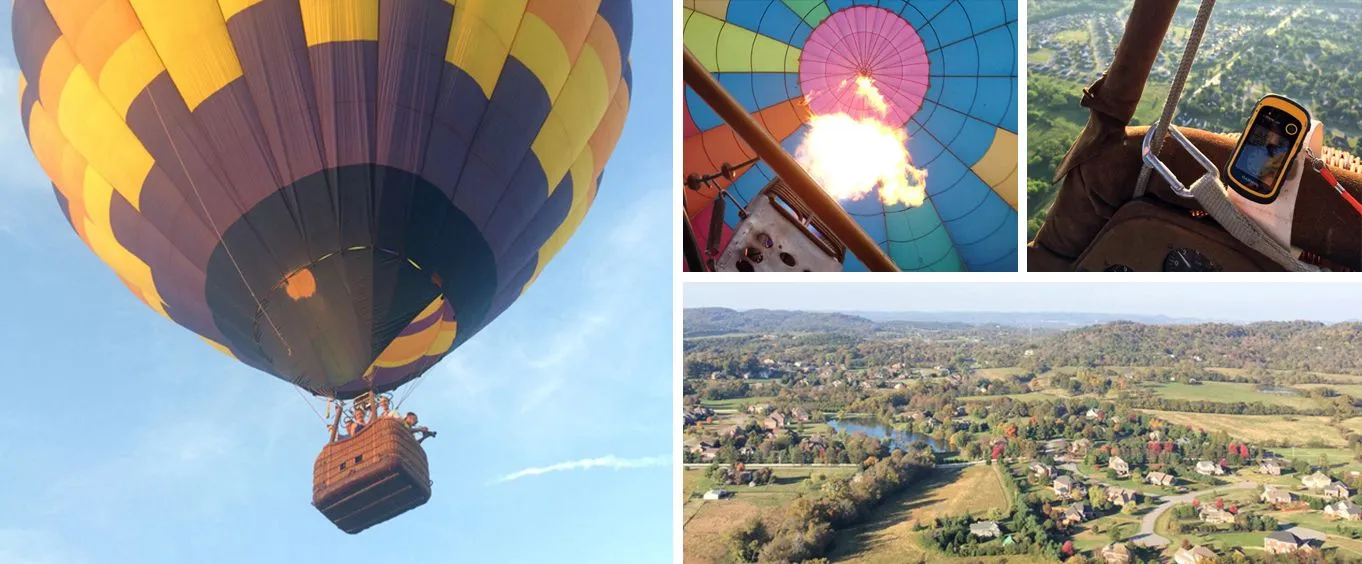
[332, 191]
[948, 74]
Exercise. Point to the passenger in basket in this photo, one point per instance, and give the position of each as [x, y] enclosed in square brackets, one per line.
[411, 422]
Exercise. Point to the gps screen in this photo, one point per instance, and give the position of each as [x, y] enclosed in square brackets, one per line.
[1263, 158]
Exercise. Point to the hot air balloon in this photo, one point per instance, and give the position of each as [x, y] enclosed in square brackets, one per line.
[335, 192]
[947, 73]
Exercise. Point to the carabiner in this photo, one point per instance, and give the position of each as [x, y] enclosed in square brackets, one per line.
[1151, 160]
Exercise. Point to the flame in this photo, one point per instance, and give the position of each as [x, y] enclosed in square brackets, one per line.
[865, 88]
[851, 156]
[301, 285]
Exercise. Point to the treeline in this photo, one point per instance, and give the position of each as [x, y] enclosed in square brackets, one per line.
[1031, 534]
[1292, 345]
[803, 531]
[718, 321]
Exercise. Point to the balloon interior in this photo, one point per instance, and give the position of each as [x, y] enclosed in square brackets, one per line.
[337, 193]
[906, 114]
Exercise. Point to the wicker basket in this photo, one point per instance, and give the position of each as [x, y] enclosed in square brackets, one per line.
[376, 475]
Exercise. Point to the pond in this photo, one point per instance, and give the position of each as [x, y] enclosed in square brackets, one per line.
[897, 438]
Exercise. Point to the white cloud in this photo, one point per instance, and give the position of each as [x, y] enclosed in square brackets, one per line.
[611, 462]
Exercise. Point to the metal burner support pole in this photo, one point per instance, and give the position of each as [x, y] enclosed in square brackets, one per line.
[770, 151]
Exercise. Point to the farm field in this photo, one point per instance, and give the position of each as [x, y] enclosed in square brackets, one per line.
[1259, 428]
[1226, 392]
[888, 535]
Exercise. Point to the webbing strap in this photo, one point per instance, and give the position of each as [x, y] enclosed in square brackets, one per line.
[1210, 193]
[1170, 106]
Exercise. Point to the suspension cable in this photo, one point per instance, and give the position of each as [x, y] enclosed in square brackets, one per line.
[1170, 106]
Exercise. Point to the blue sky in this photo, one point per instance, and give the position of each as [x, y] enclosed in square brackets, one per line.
[129, 440]
[1206, 300]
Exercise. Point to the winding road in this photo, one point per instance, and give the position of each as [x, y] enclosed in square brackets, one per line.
[1147, 536]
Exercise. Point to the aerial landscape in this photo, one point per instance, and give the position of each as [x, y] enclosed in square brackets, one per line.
[850, 433]
[1305, 50]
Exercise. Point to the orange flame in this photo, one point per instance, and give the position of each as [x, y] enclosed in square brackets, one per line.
[850, 157]
[301, 285]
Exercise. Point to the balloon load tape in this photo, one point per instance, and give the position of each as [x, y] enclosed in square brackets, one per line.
[778, 233]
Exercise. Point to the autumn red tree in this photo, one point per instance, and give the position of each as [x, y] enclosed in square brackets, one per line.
[1068, 548]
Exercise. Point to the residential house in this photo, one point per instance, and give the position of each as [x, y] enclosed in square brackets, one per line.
[1194, 555]
[1093, 414]
[815, 442]
[1316, 481]
[1276, 496]
[1063, 485]
[1121, 496]
[1337, 490]
[759, 408]
[1120, 466]
[731, 431]
[718, 494]
[1208, 468]
[1210, 514]
[800, 414]
[1075, 513]
[1282, 542]
[1080, 447]
[774, 421]
[1159, 478]
[1345, 509]
[1270, 467]
[1117, 553]
[1042, 470]
[985, 529]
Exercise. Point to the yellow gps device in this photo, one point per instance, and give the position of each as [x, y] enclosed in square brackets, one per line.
[1274, 134]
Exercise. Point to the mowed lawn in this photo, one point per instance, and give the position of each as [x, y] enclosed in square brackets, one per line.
[1227, 392]
[888, 535]
[708, 522]
[1294, 429]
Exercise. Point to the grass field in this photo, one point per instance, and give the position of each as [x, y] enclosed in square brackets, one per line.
[999, 372]
[1040, 56]
[1259, 428]
[707, 522]
[1227, 392]
[1032, 396]
[1151, 104]
[1354, 390]
[1073, 36]
[888, 536]
[1095, 533]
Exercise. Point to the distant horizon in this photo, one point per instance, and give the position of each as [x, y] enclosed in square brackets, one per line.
[1239, 303]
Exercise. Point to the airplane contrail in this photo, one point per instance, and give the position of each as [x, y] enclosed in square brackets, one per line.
[610, 461]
